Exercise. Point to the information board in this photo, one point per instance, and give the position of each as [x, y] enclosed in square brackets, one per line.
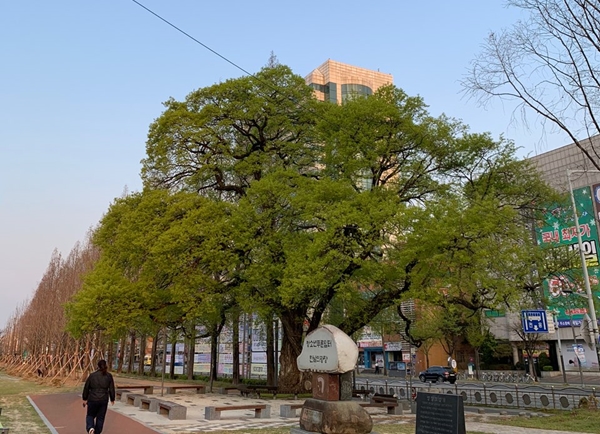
[440, 414]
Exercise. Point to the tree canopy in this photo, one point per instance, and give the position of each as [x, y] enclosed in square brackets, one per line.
[259, 196]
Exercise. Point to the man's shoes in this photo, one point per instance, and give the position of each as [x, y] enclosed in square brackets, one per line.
[91, 431]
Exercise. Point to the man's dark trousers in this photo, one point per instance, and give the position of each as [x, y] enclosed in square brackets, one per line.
[95, 410]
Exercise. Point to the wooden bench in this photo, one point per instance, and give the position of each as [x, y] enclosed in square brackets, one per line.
[199, 388]
[227, 389]
[150, 404]
[148, 390]
[261, 411]
[289, 410]
[390, 402]
[256, 389]
[361, 393]
[172, 410]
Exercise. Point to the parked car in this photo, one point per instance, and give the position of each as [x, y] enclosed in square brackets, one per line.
[439, 374]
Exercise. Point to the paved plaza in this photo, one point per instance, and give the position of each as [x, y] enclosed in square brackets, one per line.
[64, 413]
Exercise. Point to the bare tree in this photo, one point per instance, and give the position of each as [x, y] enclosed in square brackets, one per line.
[529, 343]
[550, 65]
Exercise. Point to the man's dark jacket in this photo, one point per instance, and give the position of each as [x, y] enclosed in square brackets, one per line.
[99, 387]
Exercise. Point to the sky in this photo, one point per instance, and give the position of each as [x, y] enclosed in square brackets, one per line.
[80, 83]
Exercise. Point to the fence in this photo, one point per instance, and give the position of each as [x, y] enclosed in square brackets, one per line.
[503, 396]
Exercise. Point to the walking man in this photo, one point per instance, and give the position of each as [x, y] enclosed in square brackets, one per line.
[98, 390]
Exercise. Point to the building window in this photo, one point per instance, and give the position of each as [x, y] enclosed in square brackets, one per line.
[355, 90]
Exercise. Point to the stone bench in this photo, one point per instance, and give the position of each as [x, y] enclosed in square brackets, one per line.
[119, 394]
[261, 411]
[150, 404]
[133, 399]
[289, 410]
[148, 389]
[172, 410]
[199, 388]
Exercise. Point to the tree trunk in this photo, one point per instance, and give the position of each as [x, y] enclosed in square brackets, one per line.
[142, 355]
[214, 355]
[291, 379]
[190, 353]
[153, 355]
[172, 364]
[122, 348]
[270, 352]
[477, 364]
[110, 356]
[235, 375]
[131, 354]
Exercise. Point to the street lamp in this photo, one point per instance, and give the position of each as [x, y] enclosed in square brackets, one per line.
[560, 354]
[575, 344]
[586, 278]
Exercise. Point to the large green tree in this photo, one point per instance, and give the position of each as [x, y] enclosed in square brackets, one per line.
[258, 195]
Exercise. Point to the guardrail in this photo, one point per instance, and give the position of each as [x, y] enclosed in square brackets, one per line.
[497, 395]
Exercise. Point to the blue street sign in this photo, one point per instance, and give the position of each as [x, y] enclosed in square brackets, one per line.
[534, 321]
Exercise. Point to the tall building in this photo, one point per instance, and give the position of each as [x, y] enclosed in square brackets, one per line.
[335, 81]
[553, 165]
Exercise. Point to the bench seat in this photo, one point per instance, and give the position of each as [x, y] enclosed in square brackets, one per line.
[250, 389]
[289, 410]
[389, 403]
[199, 388]
[261, 411]
[172, 410]
[150, 404]
[148, 389]
[226, 390]
[133, 399]
[119, 394]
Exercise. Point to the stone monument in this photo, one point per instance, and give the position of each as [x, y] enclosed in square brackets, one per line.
[331, 355]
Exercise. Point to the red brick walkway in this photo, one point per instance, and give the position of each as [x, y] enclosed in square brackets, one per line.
[66, 414]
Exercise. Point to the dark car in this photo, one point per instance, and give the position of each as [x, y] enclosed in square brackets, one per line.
[439, 374]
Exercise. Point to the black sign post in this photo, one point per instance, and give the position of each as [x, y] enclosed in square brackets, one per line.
[440, 414]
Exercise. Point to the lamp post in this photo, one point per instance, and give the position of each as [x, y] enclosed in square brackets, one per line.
[560, 354]
[586, 278]
[576, 348]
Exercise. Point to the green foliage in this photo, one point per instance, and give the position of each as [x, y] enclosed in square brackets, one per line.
[257, 195]
[544, 361]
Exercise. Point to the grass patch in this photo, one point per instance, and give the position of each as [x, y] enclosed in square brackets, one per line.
[17, 413]
[579, 420]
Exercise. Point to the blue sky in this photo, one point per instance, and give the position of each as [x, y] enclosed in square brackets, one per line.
[80, 83]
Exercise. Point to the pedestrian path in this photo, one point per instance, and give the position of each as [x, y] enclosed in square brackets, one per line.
[64, 414]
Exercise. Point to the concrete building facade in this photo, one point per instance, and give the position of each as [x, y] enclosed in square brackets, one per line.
[335, 81]
[585, 180]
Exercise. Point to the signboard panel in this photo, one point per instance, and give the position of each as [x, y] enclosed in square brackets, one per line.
[440, 414]
[534, 321]
[559, 228]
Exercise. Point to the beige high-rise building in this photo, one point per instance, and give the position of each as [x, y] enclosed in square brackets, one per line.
[335, 81]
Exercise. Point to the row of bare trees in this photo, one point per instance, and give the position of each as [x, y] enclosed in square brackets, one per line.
[34, 341]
